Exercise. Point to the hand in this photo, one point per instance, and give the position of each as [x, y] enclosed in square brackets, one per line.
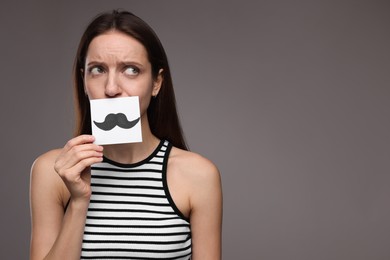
[73, 165]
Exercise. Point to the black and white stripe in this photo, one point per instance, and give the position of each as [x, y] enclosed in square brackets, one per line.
[131, 213]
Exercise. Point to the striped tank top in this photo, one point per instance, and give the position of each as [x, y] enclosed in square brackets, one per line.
[131, 214]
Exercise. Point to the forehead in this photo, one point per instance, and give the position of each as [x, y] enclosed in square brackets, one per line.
[114, 44]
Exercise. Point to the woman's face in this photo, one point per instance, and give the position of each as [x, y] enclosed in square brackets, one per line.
[117, 65]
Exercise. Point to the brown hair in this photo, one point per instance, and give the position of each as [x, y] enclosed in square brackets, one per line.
[162, 113]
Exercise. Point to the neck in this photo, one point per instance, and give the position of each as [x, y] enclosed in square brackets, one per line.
[133, 152]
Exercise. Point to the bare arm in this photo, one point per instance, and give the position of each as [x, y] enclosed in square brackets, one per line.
[206, 212]
[54, 177]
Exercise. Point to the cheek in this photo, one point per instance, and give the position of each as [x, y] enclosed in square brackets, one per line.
[88, 91]
[145, 95]
[93, 94]
[94, 90]
[144, 103]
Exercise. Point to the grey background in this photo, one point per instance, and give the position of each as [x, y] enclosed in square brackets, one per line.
[289, 98]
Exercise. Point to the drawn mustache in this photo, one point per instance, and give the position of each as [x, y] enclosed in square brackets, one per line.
[113, 120]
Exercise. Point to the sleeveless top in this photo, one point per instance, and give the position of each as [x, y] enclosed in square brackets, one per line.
[131, 214]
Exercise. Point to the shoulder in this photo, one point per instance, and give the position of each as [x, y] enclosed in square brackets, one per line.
[44, 163]
[196, 176]
[193, 165]
[46, 158]
[44, 179]
[197, 181]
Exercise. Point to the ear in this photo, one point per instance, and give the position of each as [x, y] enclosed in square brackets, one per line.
[158, 83]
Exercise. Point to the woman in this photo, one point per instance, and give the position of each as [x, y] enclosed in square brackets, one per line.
[148, 200]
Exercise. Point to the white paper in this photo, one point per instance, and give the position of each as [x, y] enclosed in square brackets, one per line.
[116, 120]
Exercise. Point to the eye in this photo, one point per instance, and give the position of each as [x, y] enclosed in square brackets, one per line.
[131, 71]
[96, 70]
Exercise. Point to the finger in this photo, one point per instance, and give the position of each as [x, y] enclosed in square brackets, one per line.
[74, 172]
[69, 158]
[80, 155]
[83, 164]
[85, 147]
[81, 139]
[73, 151]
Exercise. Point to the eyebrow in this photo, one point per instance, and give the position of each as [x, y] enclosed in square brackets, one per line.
[122, 63]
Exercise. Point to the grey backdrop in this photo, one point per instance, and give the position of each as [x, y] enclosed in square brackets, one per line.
[289, 98]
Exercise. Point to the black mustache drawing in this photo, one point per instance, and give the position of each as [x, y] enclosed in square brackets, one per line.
[113, 120]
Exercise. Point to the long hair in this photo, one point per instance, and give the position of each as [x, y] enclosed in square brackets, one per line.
[162, 113]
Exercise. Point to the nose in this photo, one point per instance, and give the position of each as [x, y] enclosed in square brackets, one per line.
[112, 88]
